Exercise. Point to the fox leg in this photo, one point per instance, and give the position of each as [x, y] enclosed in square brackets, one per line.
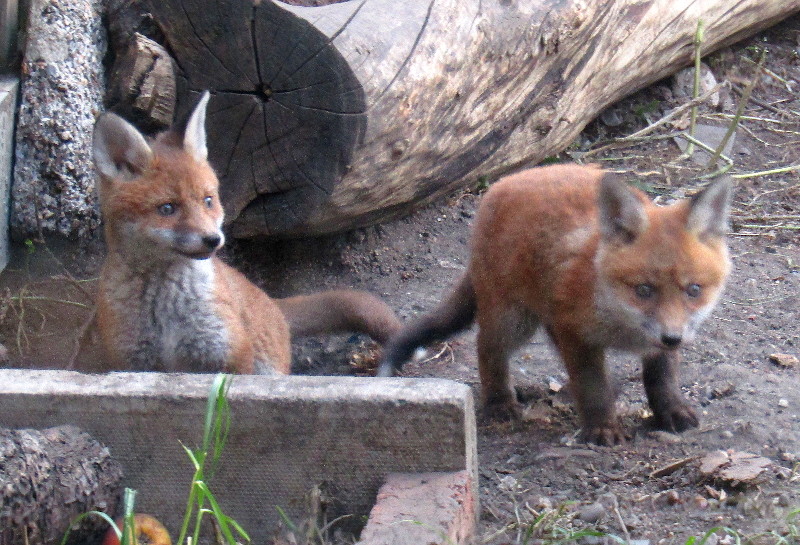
[500, 334]
[591, 388]
[670, 409]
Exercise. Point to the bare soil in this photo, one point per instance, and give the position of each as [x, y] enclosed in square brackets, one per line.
[649, 489]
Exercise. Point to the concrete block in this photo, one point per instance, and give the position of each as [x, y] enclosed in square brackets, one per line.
[9, 90]
[288, 435]
[429, 508]
[9, 23]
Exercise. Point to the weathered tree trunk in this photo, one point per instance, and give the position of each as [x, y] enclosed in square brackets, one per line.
[332, 117]
[61, 91]
[50, 477]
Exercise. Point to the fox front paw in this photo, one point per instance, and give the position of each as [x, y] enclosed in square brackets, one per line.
[503, 411]
[676, 418]
[606, 435]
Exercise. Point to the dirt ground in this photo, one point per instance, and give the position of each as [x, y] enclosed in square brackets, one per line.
[537, 474]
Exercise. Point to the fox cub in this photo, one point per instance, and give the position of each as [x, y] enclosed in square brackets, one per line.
[166, 302]
[576, 250]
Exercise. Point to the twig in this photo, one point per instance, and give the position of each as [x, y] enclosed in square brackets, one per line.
[83, 333]
[638, 135]
[728, 160]
[781, 170]
[739, 111]
[615, 508]
[51, 300]
[698, 40]
[68, 275]
[671, 468]
[765, 105]
[771, 73]
[445, 347]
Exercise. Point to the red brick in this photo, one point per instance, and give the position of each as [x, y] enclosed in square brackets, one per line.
[423, 509]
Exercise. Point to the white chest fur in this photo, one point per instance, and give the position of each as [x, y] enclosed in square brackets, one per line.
[170, 321]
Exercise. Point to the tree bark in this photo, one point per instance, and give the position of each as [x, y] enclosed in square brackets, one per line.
[333, 117]
[50, 477]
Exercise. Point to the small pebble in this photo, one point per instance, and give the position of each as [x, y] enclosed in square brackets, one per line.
[665, 436]
[672, 497]
[592, 513]
[727, 434]
[783, 403]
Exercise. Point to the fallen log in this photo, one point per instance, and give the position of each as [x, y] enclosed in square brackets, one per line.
[49, 477]
[333, 117]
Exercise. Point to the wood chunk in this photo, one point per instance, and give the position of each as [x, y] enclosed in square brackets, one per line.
[142, 85]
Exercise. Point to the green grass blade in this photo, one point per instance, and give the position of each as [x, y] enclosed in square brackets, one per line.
[82, 516]
[222, 518]
[286, 520]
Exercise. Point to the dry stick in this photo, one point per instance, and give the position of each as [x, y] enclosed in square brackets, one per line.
[765, 105]
[728, 160]
[74, 281]
[767, 172]
[83, 336]
[671, 467]
[698, 40]
[653, 126]
[739, 111]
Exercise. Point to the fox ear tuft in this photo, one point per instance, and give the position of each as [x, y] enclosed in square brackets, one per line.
[710, 208]
[622, 214]
[120, 150]
[194, 138]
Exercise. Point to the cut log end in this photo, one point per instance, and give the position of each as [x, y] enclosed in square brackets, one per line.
[286, 111]
[50, 477]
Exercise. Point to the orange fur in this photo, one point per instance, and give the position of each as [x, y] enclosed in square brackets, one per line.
[166, 302]
[598, 265]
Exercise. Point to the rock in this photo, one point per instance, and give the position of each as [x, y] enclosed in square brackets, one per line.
[712, 137]
[672, 497]
[784, 360]
[783, 403]
[665, 437]
[683, 84]
[611, 117]
[554, 385]
[509, 482]
[592, 513]
[60, 95]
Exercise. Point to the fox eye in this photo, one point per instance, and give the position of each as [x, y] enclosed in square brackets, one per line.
[209, 201]
[693, 290]
[645, 291]
[166, 209]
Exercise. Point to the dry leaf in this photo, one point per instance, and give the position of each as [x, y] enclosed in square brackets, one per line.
[733, 467]
[784, 360]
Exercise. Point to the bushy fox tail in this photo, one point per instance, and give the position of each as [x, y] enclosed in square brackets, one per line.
[340, 311]
[455, 313]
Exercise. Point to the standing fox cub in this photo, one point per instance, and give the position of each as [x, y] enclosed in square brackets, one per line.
[591, 259]
[166, 302]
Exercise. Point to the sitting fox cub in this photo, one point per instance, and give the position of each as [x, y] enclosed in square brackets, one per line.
[591, 259]
[166, 302]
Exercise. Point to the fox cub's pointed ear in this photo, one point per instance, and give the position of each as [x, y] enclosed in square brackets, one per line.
[622, 214]
[194, 138]
[709, 209]
[120, 151]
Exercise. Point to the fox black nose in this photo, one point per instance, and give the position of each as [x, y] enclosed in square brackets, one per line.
[671, 340]
[212, 241]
